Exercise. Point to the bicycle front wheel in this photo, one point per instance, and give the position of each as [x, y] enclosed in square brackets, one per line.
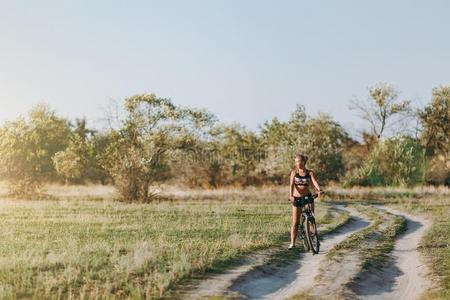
[304, 236]
[312, 235]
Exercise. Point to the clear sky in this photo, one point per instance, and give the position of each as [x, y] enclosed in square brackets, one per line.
[245, 61]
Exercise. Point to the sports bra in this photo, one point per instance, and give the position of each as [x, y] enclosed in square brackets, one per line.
[302, 180]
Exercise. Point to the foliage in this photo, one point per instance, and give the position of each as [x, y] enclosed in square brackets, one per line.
[78, 163]
[321, 138]
[354, 155]
[438, 170]
[240, 150]
[382, 106]
[157, 140]
[68, 163]
[137, 154]
[229, 156]
[398, 161]
[435, 120]
[27, 147]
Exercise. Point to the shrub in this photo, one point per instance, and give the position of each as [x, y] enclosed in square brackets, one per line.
[27, 147]
[320, 138]
[137, 154]
[398, 161]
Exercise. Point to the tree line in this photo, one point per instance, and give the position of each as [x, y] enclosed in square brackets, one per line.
[158, 141]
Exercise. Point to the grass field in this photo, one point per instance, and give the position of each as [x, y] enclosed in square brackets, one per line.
[82, 244]
[101, 248]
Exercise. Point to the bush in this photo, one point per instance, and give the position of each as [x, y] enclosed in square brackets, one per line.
[137, 154]
[435, 120]
[27, 147]
[320, 138]
[398, 161]
[439, 170]
[78, 163]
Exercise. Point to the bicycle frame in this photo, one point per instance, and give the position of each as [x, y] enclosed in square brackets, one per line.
[309, 229]
[307, 211]
[308, 225]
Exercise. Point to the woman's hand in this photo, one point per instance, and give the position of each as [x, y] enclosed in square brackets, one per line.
[291, 198]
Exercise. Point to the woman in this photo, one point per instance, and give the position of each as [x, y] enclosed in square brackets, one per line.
[299, 183]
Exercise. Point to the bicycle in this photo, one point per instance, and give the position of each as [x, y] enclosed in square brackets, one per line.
[308, 222]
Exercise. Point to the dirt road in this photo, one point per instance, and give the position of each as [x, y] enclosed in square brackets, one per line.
[259, 278]
[408, 277]
[256, 279]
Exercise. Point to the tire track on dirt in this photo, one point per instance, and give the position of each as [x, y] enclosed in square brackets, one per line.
[257, 279]
[406, 278]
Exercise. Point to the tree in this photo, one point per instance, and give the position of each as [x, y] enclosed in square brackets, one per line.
[228, 155]
[321, 138]
[240, 150]
[435, 120]
[137, 154]
[274, 132]
[382, 106]
[78, 162]
[27, 147]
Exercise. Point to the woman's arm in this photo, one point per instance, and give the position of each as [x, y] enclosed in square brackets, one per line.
[291, 186]
[314, 181]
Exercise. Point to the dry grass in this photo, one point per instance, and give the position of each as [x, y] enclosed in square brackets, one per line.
[88, 249]
[379, 193]
[106, 191]
[73, 247]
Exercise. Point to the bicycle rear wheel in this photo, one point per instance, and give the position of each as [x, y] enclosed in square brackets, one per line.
[313, 237]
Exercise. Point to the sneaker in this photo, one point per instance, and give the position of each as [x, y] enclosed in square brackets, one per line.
[291, 246]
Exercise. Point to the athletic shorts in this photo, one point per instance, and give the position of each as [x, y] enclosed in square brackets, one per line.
[301, 201]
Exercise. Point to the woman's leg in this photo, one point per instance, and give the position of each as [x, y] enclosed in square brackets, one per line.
[295, 222]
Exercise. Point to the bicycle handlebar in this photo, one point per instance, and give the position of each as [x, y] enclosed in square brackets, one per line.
[318, 194]
[315, 195]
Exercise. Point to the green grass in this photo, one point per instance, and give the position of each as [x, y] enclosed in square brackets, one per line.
[303, 296]
[82, 248]
[90, 249]
[436, 247]
[355, 240]
[111, 249]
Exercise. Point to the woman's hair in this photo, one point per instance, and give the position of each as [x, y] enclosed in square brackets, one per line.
[302, 157]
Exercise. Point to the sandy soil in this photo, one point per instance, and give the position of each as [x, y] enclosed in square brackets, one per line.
[407, 277]
[219, 284]
[257, 280]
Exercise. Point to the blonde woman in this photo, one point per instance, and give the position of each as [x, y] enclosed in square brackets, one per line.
[299, 187]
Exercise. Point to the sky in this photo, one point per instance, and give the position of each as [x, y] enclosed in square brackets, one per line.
[245, 61]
